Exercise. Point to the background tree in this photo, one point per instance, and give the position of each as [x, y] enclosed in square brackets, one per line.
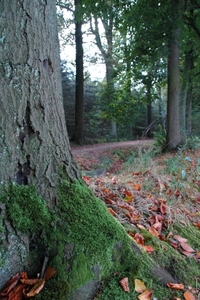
[79, 115]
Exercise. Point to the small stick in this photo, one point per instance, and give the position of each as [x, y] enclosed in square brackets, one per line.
[44, 266]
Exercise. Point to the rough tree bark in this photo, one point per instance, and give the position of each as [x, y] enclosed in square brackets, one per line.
[173, 97]
[34, 141]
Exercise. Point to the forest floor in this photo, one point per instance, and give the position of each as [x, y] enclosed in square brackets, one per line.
[152, 193]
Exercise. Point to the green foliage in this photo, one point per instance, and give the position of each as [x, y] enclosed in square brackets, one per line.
[160, 137]
[54, 290]
[26, 210]
[192, 142]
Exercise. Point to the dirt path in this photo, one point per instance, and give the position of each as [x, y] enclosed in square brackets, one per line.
[98, 148]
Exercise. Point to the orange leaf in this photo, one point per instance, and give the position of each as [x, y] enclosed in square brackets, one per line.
[139, 286]
[18, 292]
[146, 295]
[139, 238]
[197, 224]
[187, 247]
[124, 284]
[149, 249]
[111, 211]
[176, 286]
[189, 296]
[153, 231]
[10, 284]
[36, 289]
[49, 273]
[137, 187]
[30, 281]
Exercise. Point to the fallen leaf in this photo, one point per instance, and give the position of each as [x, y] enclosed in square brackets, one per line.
[177, 193]
[111, 211]
[36, 288]
[30, 281]
[180, 238]
[197, 224]
[49, 273]
[188, 254]
[163, 208]
[153, 231]
[149, 249]
[10, 284]
[18, 292]
[146, 295]
[187, 247]
[124, 284]
[188, 296]
[137, 187]
[139, 238]
[176, 286]
[139, 286]
[140, 226]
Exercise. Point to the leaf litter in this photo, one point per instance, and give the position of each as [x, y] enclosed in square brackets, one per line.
[154, 198]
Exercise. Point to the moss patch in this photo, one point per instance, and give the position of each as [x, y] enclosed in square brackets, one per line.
[25, 209]
[85, 243]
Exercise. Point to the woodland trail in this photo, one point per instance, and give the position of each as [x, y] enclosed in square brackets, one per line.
[98, 148]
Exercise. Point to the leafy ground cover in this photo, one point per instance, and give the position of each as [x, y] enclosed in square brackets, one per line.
[157, 199]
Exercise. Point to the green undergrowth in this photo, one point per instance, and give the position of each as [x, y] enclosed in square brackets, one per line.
[84, 243]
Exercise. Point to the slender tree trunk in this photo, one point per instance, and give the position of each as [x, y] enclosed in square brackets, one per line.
[149, 107]
[189, 110]
[173, 122]
[79, 107]
[188, 64]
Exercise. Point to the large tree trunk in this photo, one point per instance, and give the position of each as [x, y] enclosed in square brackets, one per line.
[34, 142]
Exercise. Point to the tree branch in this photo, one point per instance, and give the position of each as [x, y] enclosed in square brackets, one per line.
[65, 6]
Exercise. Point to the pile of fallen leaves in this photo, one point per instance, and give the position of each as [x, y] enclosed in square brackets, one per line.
[21, 287]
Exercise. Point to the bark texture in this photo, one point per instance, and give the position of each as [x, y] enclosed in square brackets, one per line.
[173, 121]
[33, 137]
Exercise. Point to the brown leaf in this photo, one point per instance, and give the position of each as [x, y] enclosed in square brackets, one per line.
[188, 254]
[176, 286]
[139, 286]
[180, 238]
[139, 238]
[49, 273]
[36, 288]
[111, 211]
[124, 283]
[187, 247]
[18, 292]
[163, 208]
[10, 284]
[30, 281]
[146, 295]
[153, 231]
[189, 296]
